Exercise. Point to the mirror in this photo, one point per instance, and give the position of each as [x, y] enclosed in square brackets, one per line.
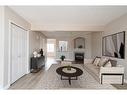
[79, 43]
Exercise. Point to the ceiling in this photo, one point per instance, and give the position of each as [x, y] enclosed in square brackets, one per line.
[69, 15]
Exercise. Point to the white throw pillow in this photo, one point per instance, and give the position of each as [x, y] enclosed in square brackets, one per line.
[102, 61]
[108, 64]
[96, 61]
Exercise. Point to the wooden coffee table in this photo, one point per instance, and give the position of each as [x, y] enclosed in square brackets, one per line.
[71, 75]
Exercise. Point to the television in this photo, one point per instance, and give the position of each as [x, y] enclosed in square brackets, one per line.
[114, 45]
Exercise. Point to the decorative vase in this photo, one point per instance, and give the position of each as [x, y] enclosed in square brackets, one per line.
[35, 54]
[41, 52]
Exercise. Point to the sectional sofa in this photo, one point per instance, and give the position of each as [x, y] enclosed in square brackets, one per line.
[105, 70]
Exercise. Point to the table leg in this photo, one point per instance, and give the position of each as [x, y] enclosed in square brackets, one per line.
[69, 80]
[122, 79]
[61, 77]
[101, 78]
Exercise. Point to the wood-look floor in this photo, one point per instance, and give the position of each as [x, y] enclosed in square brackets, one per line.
[28, 81]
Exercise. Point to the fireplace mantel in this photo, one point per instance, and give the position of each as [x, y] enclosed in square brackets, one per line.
[79, 50]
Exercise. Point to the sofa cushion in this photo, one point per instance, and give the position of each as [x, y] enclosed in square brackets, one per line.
[107, 64]
[95, 58]
[96, 61]
[113, 62]
[103, 61]
[93, 68]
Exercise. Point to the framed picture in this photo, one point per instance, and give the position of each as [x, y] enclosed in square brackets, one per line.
[114, 45]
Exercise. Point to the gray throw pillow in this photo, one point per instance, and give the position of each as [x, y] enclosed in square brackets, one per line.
[110, 61]
[113, 62]
[95, 58]
[107, 64]
[103, 61]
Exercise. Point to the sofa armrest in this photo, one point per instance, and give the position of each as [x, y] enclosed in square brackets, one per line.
[88, 61]
[111, 71]
[119, 70]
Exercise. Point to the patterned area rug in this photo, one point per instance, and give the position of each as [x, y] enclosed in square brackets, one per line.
[51, 80]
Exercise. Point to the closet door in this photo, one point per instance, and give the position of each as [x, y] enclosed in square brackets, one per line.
[19, 51]
[14, 54]
[24, 52]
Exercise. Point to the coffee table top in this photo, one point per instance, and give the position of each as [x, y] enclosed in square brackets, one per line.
[61, 71]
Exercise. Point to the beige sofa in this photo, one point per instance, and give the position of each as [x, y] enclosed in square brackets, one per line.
[110, 75]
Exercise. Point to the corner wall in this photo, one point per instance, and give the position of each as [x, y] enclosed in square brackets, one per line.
[35, 41]
[10, 15]
[1, 46]
[116, 26]
[96, 44]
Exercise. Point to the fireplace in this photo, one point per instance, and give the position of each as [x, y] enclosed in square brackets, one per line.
[79, 57]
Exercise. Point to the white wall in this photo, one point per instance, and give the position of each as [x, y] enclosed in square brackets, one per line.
[116, 26]
[96, 44]
[1, 46]
[10, 15]
[34, 44]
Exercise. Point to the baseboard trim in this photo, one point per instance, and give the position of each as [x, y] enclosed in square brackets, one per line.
[28, 72]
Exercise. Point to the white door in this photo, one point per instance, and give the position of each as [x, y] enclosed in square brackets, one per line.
[18, 52]
[24, 52]
[14, 51]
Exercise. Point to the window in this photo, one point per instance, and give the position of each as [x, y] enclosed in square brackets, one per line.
[50, 47]
[63, 45]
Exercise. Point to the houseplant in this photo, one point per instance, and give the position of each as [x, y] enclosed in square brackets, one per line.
[62, 57]
[68, 67]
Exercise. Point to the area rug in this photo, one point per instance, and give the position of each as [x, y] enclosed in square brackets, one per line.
[120, 87]
[51, 80]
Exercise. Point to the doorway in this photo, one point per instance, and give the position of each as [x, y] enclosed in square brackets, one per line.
[51, 47]
[51, 52]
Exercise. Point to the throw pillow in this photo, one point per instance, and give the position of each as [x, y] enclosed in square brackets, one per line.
[102, 61]
[113, 62]
[108, 64]
[96, 61]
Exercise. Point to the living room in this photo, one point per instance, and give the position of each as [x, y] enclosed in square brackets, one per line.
[83, 35]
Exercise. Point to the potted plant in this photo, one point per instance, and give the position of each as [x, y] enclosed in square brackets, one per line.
[68, 67]
[62, 57]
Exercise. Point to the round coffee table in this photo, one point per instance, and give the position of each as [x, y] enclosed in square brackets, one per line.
[68, 73]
